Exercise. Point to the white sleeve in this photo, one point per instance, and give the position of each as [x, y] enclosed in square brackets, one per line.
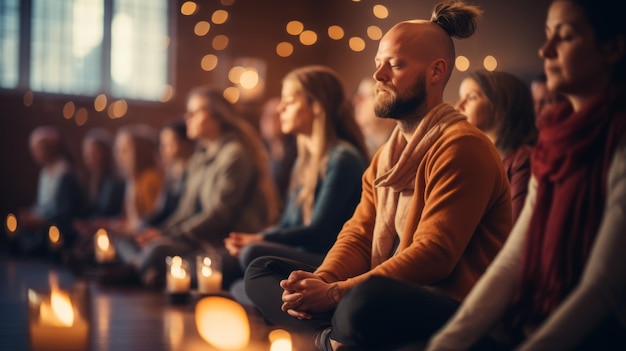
[602, 289]
[492, 295]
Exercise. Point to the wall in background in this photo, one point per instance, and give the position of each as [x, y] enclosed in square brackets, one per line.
[511, 31]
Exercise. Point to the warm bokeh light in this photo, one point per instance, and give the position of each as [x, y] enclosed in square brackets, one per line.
[335, 32]
[81, 116]
[380, 11]
[357, 44]
[118, 109]
[249, 79]
[490, 63]
[168, 93]
[295, 27]
[54, 235]
[220, 42]
[100, 103]
[227, 2]
[284, 49]
[461, 63]
[308, 37]
[232, 94]
[222, 322]
[209, 62]
[234, 74]
[219, 17]
[202, 28]
[28, 98]
[188, 8]
[11, 223]
[374, 32]
[278, 334]
[102, 239]
[61, 308]
[68, 110]
[356, 0]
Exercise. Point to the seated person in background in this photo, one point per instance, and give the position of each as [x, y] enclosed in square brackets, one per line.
[542, 97]
[104, 187]
[136, 157]
[135, 152]
[59, 198]
[281, 147]
[175, 149]
[228, 188]
[376, 130]
[326, 180]
[501, 105]
[434, 211]
[104, 190]
[559, 283]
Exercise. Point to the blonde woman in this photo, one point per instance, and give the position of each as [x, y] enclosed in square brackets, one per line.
[325, 183]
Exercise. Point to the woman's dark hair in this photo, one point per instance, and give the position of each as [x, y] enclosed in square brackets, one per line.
[512, 107]
[608, 24]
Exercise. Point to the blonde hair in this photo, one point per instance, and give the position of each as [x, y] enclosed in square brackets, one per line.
[336, 122]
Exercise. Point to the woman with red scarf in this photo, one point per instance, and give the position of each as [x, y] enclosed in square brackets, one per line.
[559, 282]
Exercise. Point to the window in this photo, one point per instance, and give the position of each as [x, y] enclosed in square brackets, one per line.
[87, 47]
[9, 43]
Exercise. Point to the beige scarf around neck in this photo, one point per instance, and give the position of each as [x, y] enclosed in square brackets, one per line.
[395, 178]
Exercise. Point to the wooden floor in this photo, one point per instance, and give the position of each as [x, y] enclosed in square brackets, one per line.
[121, 317]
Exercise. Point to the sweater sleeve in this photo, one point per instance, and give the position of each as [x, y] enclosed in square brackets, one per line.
[491, 296]
[335, 201]
[602, 288]
[351, 254]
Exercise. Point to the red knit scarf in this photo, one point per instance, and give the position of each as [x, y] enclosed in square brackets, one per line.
[570, 162]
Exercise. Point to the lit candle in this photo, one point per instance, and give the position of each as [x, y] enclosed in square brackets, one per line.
[223, 323]
[209, 275]
[54, 237]
[280, 340]
[55, 323]
[11, 224]
[105, 252]
[178, 278]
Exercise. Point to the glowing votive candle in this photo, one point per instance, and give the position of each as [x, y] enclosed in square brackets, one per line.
[55, 323]
[178, 278]
[104, 251]
[209, 274]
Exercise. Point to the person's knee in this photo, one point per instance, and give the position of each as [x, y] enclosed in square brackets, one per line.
[247, 254]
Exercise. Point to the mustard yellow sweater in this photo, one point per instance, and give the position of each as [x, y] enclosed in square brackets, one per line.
[457, 219]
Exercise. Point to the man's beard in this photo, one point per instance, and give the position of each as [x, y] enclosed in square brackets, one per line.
[398, 107]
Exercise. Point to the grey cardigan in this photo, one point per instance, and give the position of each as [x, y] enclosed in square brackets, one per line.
[222, 194]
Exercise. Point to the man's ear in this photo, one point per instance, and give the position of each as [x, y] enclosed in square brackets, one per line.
[438, 70]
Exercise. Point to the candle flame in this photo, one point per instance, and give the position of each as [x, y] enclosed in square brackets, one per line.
[206, 261]
[177, 261]
[11, 223]
[207, 271]
[102, 239]
[54, 234]
[280, 340]
[178, 271]
[59, 311]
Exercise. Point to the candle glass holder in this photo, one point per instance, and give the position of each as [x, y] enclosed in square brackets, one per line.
[209, 273]
[59, 319]
[178, 279]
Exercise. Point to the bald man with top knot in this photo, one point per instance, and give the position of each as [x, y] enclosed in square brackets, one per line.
[434, 211]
